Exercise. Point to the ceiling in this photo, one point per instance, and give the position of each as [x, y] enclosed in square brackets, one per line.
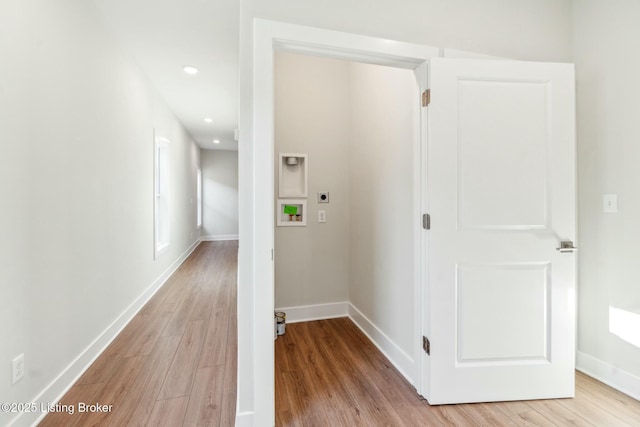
[163, 36]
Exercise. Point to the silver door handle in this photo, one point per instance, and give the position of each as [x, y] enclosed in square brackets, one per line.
[567, 246]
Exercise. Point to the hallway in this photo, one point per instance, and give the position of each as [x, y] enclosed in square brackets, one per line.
[175, 363]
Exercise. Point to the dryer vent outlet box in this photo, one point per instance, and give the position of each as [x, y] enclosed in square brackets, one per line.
[323, 197]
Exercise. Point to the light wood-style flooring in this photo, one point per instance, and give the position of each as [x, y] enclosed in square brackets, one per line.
[175, 363]
[329, 374]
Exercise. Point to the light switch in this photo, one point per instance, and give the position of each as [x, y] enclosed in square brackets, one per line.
[610, 203]
[322, 216]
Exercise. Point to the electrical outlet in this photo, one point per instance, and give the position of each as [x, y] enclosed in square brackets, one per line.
[322, 216]
[18, 368]
[610, 203]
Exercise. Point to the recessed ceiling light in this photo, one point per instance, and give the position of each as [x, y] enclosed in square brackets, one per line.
[216, 141]
[190, 69]
[208, 119]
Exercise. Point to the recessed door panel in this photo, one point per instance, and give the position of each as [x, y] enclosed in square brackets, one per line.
[513, 194]
[503, 314]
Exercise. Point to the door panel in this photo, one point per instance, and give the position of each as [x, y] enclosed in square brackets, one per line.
[483, 336]
[513, 195]
[501, 194]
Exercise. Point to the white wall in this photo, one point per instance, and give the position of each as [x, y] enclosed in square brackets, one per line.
[532, 30]
[312, 116]
[607, 68]
[76, 179]
[219, 194]
[382, 226]
[528, 29]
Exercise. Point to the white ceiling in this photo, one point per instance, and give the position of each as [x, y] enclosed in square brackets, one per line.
[163, 36]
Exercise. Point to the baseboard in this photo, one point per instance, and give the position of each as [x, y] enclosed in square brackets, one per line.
[244, 419]
[219, 237]
[307, 313]
[63, 382]
[614, 377]
[398, 357]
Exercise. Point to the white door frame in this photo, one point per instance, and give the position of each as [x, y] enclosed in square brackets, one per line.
[268, 37]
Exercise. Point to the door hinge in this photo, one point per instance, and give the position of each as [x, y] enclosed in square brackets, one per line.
[426, 97]
[426, 221]
[426, 345]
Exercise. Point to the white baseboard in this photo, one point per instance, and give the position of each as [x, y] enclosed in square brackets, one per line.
[63, 382]
[219, 237]
[307, 313]
[398, 357]
[602, 371]
[244, 419]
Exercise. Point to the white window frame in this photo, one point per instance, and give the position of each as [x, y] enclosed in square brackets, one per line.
[199, 198]
[161, 196]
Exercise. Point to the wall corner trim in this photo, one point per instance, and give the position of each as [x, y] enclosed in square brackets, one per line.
[398, 357]
[65, 380]
[308, 313]
[218, 237]
[622, 381]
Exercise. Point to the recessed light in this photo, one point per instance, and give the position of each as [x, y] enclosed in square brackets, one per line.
[216, 141]
[190, 69]
[208, 119]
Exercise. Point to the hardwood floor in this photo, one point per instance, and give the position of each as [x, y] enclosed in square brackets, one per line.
[175, 363]
[329, 374]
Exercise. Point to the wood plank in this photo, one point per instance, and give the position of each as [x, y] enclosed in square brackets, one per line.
[181, 316]
[513, 408]
[140, 400]
[229, 398]
[214, 349]
[113, 391]
[103, 369]
[201, 310]
[608, 400]
[148, 335]
[485, 414]
[169, 412]
[183, 368]
[206, 398]
[452, 415]
[596, 414]
[531, 418]
[619, 400]
[66, 414]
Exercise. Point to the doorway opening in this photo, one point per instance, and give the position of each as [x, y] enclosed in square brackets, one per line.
[269, 38]
[347, 197]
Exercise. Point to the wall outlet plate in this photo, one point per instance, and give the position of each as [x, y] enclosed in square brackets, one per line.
[17, 365]
[610, 203]
[323, 197]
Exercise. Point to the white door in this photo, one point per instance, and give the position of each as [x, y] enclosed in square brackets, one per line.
[501, 195]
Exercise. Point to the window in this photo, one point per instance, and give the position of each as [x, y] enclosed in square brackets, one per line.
[199, 197]
[161, 199]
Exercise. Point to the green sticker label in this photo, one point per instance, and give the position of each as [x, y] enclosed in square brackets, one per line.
[290, 210]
